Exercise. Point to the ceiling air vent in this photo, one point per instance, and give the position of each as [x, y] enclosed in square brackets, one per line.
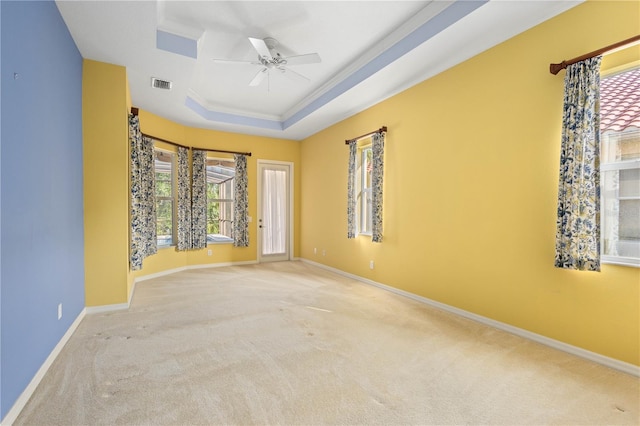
[160, 84]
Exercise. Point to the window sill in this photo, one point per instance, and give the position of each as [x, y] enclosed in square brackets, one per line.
[621, 261]
[218, 239]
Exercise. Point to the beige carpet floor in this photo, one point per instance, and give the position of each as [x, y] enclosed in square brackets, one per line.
[289, 343]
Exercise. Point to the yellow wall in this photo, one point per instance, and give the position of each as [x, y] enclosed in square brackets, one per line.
[106, 179]
[261, 148]
[470, 189]
[130, 277]
[471, 178]
[106, 102]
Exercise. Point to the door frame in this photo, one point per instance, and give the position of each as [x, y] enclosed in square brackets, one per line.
[288, 164]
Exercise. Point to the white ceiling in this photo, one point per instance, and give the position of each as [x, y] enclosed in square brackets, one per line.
[370, 50]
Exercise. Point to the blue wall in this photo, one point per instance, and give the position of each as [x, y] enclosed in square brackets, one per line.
[41, 204]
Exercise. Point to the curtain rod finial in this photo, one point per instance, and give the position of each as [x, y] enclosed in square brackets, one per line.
[555, 68]
[134, 110]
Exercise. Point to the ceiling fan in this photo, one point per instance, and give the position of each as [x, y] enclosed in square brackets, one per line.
[269, 59]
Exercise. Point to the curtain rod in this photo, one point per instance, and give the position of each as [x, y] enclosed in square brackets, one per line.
[135, 111]
[555, 68]
[380, 130]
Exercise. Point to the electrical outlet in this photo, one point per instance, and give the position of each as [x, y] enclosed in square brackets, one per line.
[315, 250]
[59, 310]
[209, 252]
[371, 264]
[249, 219]
[324, 252]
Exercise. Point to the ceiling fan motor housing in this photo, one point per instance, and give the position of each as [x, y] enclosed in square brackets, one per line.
[277, 61]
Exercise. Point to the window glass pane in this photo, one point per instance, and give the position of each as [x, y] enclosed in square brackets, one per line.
[368, 210]
[629, 226]
[367, 155]
[364, 191]
[610, 209]
[164, 223]
[620, 146]
[163, 163]
[629, 183]
[163, 185]
[620, 190]
[213, 190]
[620, 178]
[220, 181]
[226, 190]
[213, 217]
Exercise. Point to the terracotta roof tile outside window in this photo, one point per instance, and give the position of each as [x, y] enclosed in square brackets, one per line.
[620, 101]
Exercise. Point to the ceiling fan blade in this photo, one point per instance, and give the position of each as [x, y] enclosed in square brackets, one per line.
[310, 58]
[291, 74]
[261, 48]
[234, 62]
[259, 77]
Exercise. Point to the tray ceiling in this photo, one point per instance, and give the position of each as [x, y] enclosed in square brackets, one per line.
[369, 50]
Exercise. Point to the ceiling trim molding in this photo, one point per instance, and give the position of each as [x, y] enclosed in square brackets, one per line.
[229, 118]
[443, 19]
[447, 17]
[419, 19]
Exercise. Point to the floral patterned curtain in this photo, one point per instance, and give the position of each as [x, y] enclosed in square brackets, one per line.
[351, 190]
[578, 223]
[143, 238]
[184, 200]
[199, 200]
[377, 173]
[241, 203]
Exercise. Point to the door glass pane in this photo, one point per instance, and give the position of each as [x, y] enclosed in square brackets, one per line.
[274, 212]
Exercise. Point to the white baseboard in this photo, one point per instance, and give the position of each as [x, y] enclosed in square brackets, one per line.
[121, 306]
[24, 397]
[133, 289]
[556, 344]
[107, 308]
[186, 268]
[158, 274]
[223, 264]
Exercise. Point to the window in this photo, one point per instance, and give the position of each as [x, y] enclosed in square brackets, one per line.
[165, 197]
[620, 169]
[364, 204]
[220, 181]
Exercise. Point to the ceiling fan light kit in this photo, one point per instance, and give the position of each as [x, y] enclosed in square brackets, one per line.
[269, 59]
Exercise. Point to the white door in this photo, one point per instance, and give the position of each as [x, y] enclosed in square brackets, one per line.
[274, 211]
